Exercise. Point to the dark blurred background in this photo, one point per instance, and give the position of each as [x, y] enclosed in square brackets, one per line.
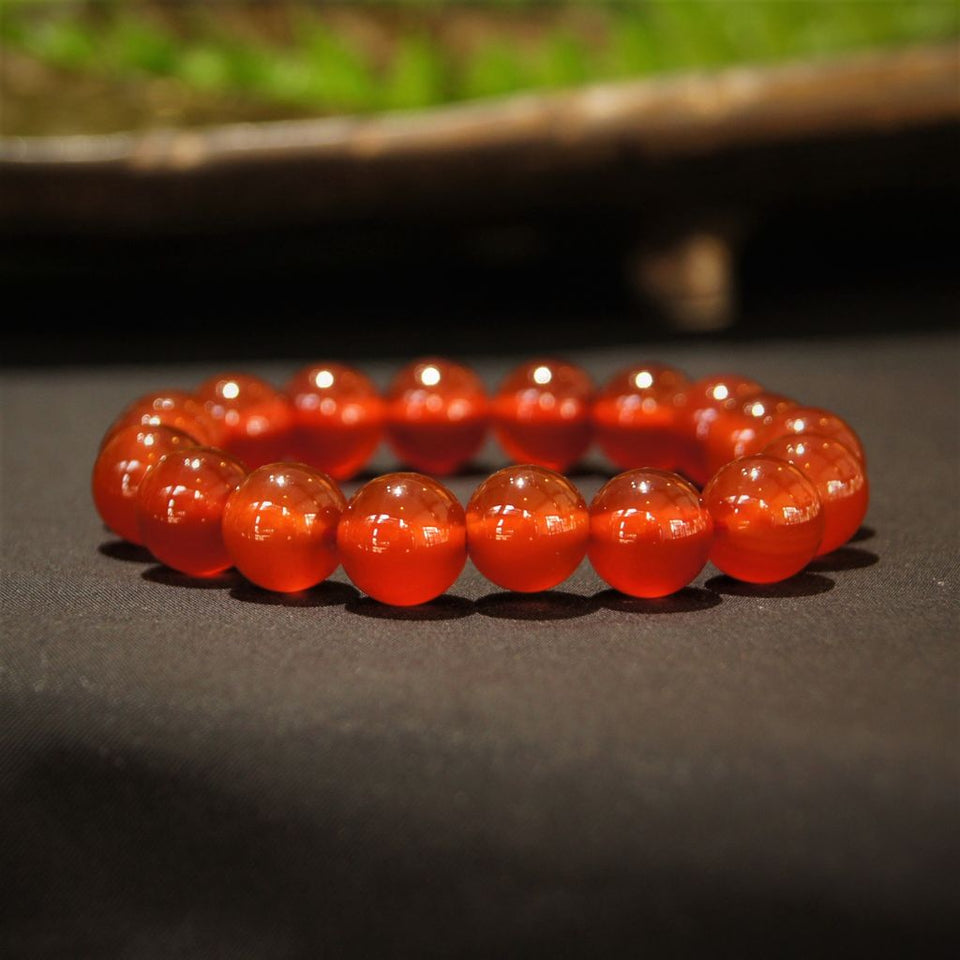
[426, 176]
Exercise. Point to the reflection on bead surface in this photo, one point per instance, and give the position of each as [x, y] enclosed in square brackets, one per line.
[280, 526]
[180, 509]
[436, 415]
[639, 418]
[254, 420]
[744, 430]
[402, 538]
[338, 418]
[121, 466]
[527, 528]
[650, 534]
[168, 408]
[541, 413]
[709, 399]
[839, 477]
[768, 522]
[818, 421]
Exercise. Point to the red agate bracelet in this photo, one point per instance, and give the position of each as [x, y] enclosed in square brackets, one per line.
[783, 483]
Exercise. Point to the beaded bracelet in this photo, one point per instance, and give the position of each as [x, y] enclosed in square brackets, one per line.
[781, 483]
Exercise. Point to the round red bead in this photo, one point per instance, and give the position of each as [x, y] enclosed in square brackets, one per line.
[767, 516]
[436, 415]
[839, 477]
[527, 528]
[639, 418]
[180, 509]
[650, 533]
[816, 420]
[541, 413]
[402, 538]
[120, 467]
[708, 399]
[743, 430]
[280, 526]
[338, 418]
[168, 408]
[253, 419]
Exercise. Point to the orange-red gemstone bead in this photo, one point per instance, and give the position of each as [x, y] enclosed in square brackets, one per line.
[280, 526]
[839, 477]
[818, 421]
[254, 420]
[709, 399]
[120, 467]
[639, 418]
[527, 528]
[541, 413]
[768, 521]
[437, 415]
[402, 538]
[650, 533]
[338, 418]
[168, 408]
[743, 431]
[180, 509]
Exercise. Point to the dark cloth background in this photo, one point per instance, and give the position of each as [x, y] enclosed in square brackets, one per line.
[207, 770]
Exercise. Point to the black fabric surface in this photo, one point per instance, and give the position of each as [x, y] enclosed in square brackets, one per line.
[207, 770]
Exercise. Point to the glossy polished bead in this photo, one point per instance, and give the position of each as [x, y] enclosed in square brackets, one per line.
[180, 509]
[541, 413]
[168, 408]
[650, 533]
[120, 467]
[767, 517]
[254, 420]
[280, 526]
[436, 415]
[402, 538]
[639, 418]
[743, 431]
[708, 400]
[338, 418]
[839, 477]
[527, 528]
[818, 421]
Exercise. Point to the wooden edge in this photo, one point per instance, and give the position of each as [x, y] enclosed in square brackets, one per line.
[679, 115]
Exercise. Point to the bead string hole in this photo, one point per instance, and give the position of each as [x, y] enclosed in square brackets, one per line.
[240, 484]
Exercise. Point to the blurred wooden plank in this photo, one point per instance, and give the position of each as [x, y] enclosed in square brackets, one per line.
[464, 155]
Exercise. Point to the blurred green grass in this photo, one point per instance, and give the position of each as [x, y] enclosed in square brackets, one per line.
[317, 62]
